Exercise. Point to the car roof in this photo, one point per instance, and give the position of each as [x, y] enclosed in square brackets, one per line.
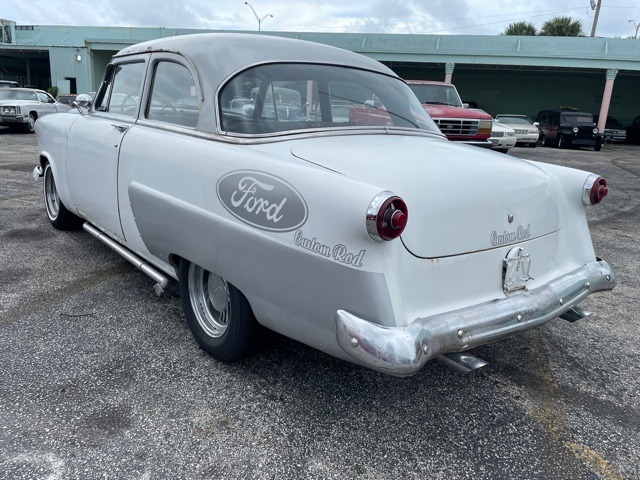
[28, 90]
[427, 82]
[234, 52]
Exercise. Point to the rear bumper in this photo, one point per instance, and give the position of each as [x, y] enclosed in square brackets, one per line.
[403, 351]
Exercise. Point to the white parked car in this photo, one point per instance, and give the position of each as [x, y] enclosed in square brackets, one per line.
[527, 132]
[502, 137]
[21, 107]
[367, 235]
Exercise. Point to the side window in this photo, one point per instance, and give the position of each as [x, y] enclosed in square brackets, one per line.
[121, 94]
[45, 98]
[173, 96]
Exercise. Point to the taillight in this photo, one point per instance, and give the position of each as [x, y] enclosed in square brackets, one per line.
[595, 189]
[386, 217]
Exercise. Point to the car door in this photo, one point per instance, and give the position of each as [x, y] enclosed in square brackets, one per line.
[47, 104]
[92, 163]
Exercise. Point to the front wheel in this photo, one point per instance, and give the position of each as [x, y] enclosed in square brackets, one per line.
[30, 126]
[218, 314]
[562, 143]
[59, 216]
[598, 145]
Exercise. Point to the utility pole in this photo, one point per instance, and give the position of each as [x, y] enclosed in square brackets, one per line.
[595, 18]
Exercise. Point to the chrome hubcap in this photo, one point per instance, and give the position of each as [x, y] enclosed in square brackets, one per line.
[51, 197]
[209, 297]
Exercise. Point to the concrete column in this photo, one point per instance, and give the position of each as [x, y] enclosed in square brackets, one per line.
[606, 98]
[448, 69]
[28, 65]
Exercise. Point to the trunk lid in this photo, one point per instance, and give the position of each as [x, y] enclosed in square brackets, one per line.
[461, 199]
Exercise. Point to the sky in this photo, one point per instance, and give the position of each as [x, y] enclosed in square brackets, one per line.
[440, 17]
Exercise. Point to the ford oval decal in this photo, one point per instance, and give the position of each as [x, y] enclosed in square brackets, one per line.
[262, 200]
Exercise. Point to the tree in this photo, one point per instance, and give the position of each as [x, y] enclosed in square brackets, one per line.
[521, 28]
[562, 27]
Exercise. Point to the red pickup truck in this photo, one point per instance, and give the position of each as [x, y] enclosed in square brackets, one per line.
[459, 123]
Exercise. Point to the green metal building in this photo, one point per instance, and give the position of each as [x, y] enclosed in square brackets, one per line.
[501, 74]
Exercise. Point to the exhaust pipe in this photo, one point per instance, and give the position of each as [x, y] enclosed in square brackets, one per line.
[574, 314]
[462, 362]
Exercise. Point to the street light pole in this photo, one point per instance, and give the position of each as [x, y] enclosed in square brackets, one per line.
[637, 25]
[260, 20]
[595, 18]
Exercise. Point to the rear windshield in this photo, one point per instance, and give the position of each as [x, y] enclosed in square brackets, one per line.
[277, 98]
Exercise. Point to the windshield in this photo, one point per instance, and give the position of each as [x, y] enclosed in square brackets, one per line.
[287, 97]
[577, 118]
[436, 94]
[11, 94]
[516, 120]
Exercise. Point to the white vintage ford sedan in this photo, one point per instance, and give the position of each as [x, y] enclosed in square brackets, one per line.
[303, 188]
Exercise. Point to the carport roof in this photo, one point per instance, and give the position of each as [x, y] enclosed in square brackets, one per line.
[536, 51]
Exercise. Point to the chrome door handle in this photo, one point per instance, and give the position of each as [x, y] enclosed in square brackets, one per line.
[120, 128]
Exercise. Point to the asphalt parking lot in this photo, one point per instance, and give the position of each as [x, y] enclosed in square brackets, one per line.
[101, 378]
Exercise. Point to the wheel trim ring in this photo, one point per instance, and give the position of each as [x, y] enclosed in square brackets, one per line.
[32, 123]
[213, 322]
[52, 200]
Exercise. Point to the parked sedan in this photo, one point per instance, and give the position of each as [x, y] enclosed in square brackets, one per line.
[527, 133]
[21, 107]
[66, 99]
[502, 137]
[370, 236]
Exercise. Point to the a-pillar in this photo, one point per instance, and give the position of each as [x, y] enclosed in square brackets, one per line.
[606, 98]
[448, 70]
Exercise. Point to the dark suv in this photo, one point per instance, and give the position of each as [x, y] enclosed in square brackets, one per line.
[564, 128]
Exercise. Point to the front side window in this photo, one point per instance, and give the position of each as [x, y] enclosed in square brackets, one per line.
[173, 96]
[287, 97]
[122, 88]
[44, 98]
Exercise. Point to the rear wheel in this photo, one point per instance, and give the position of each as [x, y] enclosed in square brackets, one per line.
[218, 314]
[59, 216]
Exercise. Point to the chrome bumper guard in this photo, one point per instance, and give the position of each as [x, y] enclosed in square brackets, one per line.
[403, 351]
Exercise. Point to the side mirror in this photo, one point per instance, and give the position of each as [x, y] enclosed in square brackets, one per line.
[465, 105]
[82, 101]
[536, 124]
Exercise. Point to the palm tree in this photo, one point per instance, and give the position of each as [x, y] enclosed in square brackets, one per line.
[562, 27]
[520, 28]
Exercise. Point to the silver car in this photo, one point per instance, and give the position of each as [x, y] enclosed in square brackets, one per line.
[21, 107]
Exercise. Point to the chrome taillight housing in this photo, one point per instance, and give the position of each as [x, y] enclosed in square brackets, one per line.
[594, 190]
[387, 217]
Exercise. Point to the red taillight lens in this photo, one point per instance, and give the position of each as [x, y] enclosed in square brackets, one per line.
[595, 189]
[386, 217]
[598, 191]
